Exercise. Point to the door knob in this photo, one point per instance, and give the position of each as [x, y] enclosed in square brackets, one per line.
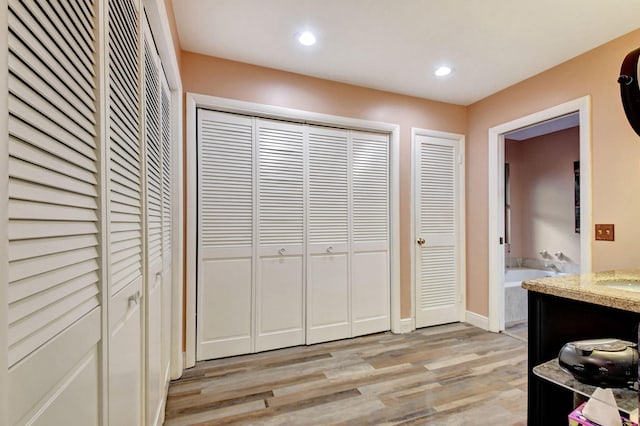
[421, 241]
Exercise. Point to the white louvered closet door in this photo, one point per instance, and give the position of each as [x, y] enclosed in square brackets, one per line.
[153, 210]
[167, 227]
[370, 237]
[225, 235]
[438, 298]
[125, 213]
[53, 208]
[328, 287]
[279, 292]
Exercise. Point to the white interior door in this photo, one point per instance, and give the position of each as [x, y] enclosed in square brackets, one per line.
[370, 237]
[53, 306]
[225, 235]
[125, 213]
[437, 200]
[153, 236]
[328, 287]
[280, 214]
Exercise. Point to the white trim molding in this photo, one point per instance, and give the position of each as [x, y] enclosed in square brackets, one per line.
[496, 195]
[407, 325]
[4, 222]
[477, 320]
[195, 101]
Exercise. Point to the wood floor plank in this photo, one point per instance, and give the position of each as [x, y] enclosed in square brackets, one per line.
[454, 374]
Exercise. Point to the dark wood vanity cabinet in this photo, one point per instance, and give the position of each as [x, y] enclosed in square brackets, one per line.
[554, 321]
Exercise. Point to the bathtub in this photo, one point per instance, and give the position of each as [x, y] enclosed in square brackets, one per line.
[513, 277]
[515, 297]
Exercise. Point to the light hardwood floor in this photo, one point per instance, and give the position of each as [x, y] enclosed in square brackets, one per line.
[454, 374]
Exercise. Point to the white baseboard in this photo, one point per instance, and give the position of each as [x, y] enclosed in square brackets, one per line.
[406, 325]
[477, 320]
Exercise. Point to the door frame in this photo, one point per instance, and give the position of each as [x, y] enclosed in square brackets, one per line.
[195, 101]
[460, 216]
[496, 195]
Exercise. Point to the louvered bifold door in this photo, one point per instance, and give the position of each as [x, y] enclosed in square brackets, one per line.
[328, 287]
[153, 234]
[125, 255]
[437, 298]
[53, 208]
[370, 274]
[167, 217]
[280, 214]
[225, 234]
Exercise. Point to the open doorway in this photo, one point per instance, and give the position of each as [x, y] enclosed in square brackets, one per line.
[576, 257]
[541, 210]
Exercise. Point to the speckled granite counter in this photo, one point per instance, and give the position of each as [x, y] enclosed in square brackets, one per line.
[614, 289]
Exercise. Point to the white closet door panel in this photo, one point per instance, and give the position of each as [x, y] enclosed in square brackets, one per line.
[370, 182]
[153, 157]
[225, 235]
[166, 324]
[370, 273]
[52, 209]
[280, 302]
[438, 300]
[370, 292]
[328, 298]
[64, 368]
[125, 371]
[224, 299]
[225, 180]
[328, 187]
[167, 165]
[124, 133]
[154, 374]
[280, 183]
[125, 170]
[81, 391]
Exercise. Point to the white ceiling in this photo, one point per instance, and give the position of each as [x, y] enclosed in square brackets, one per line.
[395, 45]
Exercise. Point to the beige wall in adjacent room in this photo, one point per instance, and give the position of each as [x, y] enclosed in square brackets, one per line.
[542, 195]
[615, 157]
[234, 80]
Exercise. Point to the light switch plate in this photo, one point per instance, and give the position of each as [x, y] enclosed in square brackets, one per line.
[605, 232]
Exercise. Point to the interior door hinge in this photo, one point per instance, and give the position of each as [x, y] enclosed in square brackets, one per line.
[501, 240]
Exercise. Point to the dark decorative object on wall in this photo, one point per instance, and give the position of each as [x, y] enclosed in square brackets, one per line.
[576, 196]
[629, 90]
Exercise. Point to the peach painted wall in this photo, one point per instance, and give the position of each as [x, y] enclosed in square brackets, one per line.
[615, 156]
[228, 79]
[542, 194]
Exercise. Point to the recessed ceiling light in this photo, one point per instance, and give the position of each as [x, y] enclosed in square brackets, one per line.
[442, 71]
[307, 38]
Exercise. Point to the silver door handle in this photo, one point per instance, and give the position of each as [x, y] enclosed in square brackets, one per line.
[330, 249]
[282, 251]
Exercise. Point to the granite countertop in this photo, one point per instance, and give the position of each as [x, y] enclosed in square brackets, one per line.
[616, 289]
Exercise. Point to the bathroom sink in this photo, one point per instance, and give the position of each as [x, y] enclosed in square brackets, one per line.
[622, 285]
